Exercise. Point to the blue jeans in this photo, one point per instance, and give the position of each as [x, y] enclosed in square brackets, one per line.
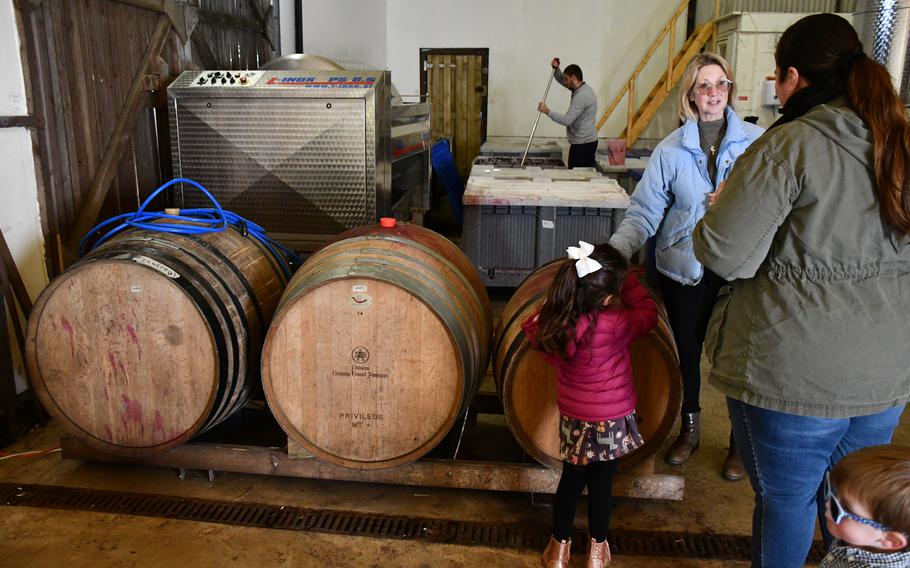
[786, 457]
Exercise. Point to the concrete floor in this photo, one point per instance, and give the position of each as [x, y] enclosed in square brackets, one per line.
[47, 537]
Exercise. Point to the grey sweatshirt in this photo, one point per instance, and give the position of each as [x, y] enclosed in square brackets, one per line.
[579, 119]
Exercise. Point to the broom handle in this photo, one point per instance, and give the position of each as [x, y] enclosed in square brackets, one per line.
[525, 156]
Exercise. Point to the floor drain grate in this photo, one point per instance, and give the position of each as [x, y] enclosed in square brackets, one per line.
[501, 535]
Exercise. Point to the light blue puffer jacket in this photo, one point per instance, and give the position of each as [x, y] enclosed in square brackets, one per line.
[672, 196]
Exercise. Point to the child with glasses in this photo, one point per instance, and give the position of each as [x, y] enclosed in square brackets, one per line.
[867, 497]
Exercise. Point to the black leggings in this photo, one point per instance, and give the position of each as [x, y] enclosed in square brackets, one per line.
[689, 309]
[598, 476]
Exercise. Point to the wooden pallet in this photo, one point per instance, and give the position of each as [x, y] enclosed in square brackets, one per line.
[640, 483]
[481, 470]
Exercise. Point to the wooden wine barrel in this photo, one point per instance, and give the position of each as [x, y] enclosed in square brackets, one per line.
[153, 337]
[527, 384]
[378, 345]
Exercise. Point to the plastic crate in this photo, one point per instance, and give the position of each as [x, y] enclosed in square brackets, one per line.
[513, 226]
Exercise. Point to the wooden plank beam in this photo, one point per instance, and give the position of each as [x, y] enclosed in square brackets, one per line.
[174, 13]
[202, 49]
[264, 16]
[29, 121]
[231, 21]
[7, 372]
[14, 277]
[91, 204]
[456, 474]
[10, 307]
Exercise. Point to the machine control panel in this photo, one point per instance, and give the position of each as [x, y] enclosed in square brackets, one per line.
[226, 79]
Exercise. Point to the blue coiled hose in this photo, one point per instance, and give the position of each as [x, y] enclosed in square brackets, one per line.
[195, 222]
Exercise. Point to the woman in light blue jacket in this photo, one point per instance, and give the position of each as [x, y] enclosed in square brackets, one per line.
[683, 176]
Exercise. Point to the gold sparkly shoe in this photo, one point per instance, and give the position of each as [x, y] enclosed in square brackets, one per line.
[557, 554]
[598, 554]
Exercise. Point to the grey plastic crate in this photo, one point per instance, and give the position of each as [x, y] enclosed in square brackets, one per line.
[506, 243]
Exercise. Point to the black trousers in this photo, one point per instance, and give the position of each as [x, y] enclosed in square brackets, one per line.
[689, 309]
[598, 476]
[582, 155]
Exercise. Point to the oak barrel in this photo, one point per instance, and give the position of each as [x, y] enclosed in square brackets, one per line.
[378, 345]
[527, 384]
[153, 337]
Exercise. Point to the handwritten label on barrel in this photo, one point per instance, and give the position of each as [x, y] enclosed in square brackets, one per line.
[360, 300]
[155, 265]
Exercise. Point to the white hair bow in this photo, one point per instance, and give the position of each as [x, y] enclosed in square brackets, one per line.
[583, 264]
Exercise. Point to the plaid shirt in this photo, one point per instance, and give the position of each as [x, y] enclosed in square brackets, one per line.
[840, 556]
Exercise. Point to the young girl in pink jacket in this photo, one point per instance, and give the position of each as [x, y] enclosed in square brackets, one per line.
[592, 313]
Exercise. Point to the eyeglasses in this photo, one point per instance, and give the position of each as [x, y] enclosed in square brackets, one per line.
[722, 87]
[839, 512]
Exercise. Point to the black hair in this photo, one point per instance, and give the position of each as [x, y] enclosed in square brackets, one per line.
[575, 71]
[571, 297]
[825, 49]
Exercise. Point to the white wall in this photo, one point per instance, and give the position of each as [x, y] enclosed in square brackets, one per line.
[19, 215]
[607, 38]
[12, 88]
[287, 29]
[346, 30]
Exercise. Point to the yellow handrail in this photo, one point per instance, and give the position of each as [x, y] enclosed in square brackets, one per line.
[644, 114]
[630, 84]
[716, 17]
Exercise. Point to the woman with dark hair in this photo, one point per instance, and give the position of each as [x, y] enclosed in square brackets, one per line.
[811, 344]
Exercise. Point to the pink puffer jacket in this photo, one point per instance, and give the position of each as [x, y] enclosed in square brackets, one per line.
[595, 382]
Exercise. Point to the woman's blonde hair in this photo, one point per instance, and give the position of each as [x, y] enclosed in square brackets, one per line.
[687, 108]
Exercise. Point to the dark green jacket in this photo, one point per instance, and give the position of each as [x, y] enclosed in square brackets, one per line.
[817, 321]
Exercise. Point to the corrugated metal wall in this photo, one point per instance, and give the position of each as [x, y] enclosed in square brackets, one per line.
[705, 10]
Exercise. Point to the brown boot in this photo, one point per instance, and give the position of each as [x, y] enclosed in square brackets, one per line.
[598, 554]
[733, 465]
[557, 554]
[687, 442]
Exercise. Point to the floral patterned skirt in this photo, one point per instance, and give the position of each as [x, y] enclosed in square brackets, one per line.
[582, 442]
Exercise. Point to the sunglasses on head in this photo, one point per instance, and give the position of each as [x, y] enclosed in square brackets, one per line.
[839, 512]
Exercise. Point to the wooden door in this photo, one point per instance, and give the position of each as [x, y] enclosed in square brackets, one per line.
[456, 82]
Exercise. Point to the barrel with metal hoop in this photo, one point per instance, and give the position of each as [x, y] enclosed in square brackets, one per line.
[527, 385]
[153, 337]
[377, 347]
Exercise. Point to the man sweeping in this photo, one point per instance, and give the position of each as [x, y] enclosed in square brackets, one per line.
[579, 118]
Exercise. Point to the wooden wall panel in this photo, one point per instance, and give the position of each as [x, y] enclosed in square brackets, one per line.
[82, 56]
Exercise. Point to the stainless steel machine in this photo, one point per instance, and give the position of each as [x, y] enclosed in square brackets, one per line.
[306, 153]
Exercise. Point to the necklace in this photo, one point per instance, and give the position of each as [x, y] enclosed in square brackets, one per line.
[713, 150]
